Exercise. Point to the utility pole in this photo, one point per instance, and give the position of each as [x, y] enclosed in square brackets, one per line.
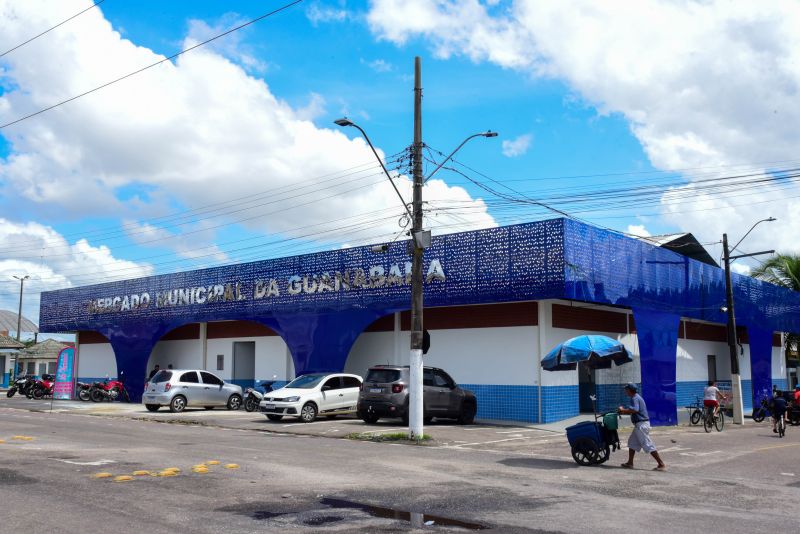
[19, 319]
[736, 379]
[415, 407]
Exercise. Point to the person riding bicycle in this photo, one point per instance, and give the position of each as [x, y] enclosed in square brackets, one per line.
[778, 408]
[712, 396]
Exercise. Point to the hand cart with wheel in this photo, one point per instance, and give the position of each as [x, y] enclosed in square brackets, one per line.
[592, 441]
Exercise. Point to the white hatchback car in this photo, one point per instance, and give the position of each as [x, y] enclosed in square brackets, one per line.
[305, 397]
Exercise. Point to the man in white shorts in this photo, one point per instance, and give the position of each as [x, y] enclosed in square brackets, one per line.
[640, 437]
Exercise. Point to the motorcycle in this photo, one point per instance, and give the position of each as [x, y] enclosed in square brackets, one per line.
[23, 384]
[43, 388]
[84, 391]
[253, 396]
[110, 390]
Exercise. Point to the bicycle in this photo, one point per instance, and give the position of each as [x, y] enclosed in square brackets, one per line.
[713, 421]
[695, 410]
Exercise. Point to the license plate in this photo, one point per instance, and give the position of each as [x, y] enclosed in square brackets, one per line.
[269, 406]
[149, 397]
[375, 390]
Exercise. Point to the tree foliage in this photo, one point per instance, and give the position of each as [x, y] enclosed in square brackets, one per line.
[782, 270]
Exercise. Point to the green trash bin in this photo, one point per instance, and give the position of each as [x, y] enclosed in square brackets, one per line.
[611, 421]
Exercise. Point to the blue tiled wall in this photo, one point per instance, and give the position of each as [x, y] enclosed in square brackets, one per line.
[559, 402]
[513, 403]
[6, 378]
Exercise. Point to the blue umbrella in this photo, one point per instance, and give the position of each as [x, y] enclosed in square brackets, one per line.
[597, 351]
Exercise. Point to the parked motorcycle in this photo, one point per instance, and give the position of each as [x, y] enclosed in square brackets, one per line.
[22, 384]
[110, 390]
[253, 396]
[84, 391]
[43, 387]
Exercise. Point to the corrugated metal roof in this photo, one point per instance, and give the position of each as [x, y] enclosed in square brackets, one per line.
[8, 323]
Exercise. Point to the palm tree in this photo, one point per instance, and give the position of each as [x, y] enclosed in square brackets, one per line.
[782, 270]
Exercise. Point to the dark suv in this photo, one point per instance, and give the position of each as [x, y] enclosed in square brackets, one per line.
[384, 393]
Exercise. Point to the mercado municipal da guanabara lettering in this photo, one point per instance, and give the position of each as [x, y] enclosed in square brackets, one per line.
[496, 301]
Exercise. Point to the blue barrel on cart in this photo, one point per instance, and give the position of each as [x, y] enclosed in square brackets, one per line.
[587, 429]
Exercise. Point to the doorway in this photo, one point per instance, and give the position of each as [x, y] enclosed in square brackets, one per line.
[586, 387]
[244, 363]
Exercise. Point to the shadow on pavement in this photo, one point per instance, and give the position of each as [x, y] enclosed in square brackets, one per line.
[539, 463]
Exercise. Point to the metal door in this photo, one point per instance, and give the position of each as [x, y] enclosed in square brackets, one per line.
[244, 363]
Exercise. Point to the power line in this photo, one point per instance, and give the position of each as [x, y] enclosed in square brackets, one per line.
[52, 28]
[189, 49]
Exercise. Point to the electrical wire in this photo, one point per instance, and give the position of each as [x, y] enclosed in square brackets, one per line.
[52, 28]
[159, 62]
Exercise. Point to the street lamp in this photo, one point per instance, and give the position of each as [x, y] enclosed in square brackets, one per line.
[736, 379]
[415, 411]
[347, 122]
[464, 142]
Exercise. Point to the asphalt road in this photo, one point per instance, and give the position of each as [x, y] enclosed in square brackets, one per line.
[740, 480]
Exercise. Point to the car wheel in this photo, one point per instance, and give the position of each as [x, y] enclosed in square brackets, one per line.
[467, 415]
[177, 404]
[208, 407]
[308, 413]
[235, 402]
[370, 419]
[274, 417]
[152, 407]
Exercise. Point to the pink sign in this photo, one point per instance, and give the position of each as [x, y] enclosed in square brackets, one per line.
[64, 385]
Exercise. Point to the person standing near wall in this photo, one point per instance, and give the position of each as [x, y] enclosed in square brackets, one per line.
[640, 437]
[153, 372]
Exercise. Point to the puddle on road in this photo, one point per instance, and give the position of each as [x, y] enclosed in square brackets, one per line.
[323, 520]
[411, 517]
[258, 512]
[9, 477]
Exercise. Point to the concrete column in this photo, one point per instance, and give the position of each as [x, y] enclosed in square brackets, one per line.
[543, 309]
[204, 343]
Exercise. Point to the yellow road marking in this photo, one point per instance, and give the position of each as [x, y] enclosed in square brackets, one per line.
[123, 478]
[141, 473]
[779, 446]
[103, 475]
[213, 462]
[231, 466]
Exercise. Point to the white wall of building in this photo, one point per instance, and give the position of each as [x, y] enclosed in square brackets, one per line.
[372, 348]
[96, 360]
[272, 357]
[470, 355]
[180, 353]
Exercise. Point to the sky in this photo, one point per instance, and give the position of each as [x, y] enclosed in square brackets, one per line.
[645, 117]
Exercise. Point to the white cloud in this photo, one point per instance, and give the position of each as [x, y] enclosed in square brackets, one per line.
[318, 13]
[702, 83]
[199, 131]
[741, 268]
[517, 147]
[638, 230]
[379, 65]
[231, 46]
[53, 262]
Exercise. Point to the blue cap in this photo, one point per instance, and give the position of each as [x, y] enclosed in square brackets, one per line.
[631, 387]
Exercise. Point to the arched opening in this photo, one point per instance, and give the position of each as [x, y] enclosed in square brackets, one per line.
[379, 343]
[241, 352]
[95, 358]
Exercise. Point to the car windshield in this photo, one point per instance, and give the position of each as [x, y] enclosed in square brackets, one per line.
[161, 376]
[305, 381]
[383, 376]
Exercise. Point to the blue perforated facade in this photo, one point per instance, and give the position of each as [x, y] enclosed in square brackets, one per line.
[320, 303]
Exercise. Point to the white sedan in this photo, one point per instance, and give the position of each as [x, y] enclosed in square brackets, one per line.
[307, 396]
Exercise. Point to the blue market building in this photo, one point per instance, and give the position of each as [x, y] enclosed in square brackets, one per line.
[516, 288]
